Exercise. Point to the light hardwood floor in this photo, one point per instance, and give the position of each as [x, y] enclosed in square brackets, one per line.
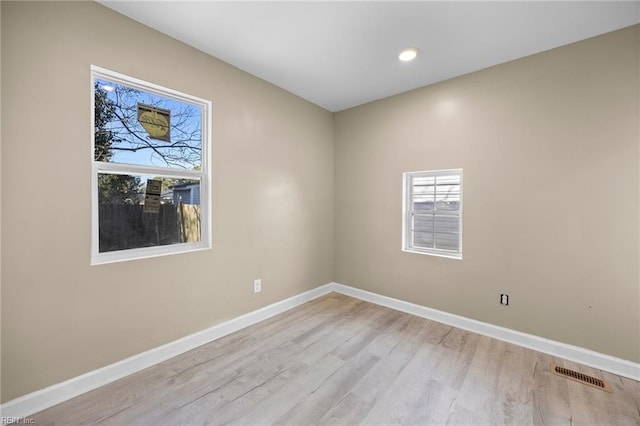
[339, 360]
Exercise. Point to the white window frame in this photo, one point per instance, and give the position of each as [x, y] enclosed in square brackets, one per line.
[407, 213]
[204, 175]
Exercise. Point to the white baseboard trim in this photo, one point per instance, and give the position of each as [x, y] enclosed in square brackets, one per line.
[36, 401]
[39, 400]
[577, 354]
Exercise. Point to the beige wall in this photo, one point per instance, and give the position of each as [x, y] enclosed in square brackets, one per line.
[272, 197]
[550, 150]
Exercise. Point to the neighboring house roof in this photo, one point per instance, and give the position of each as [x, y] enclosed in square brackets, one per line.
[185, 185]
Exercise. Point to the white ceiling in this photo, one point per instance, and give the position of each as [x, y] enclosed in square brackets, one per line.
[342, 54]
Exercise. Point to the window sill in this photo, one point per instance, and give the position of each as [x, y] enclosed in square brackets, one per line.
[145, 253]
[457, 256]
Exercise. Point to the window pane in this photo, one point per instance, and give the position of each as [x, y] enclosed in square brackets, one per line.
[423, 192]
[422, 223]
[447, 232]
[448, 193]
[423, 206]
[448, 203]
[423, 239]
[447, 224]
[448, 180]
[134, 126]
[447, 241]
[132, 214]
[439, 193]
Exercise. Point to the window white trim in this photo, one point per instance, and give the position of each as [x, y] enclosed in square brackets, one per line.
[407, 214]
[101, 166]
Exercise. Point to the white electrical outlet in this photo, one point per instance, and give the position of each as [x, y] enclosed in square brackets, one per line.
[257, 286]
[504, 299]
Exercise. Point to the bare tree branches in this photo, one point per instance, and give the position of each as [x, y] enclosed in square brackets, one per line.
[122, 138]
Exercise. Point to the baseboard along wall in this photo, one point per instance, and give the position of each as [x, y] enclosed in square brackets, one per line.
[39, 400]
[573, 353]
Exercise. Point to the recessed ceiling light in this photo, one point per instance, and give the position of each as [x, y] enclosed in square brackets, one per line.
[408, 55]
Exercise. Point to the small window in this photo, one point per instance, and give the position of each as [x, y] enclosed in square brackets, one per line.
[150, 169]
[432, 220]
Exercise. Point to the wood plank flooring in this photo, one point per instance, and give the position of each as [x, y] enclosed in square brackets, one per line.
[338, 360]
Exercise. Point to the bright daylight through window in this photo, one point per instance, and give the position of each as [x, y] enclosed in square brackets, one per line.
[150, 171]
[432, 221]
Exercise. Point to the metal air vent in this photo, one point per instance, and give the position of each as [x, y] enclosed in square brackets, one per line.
[582, 378]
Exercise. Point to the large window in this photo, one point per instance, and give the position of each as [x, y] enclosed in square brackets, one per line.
[432, 220]
[150, 169]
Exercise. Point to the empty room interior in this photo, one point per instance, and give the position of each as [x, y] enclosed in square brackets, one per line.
[320, 213]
